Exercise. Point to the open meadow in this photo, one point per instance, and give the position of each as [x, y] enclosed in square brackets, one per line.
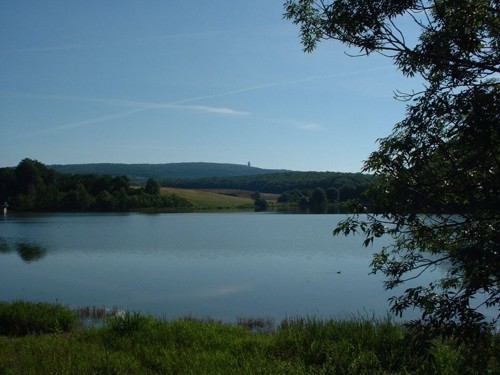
[215, 199]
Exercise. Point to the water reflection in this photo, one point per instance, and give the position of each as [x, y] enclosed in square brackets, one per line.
[4, 246]
[28, 252]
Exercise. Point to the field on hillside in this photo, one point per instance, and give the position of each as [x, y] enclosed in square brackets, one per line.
[219, 198]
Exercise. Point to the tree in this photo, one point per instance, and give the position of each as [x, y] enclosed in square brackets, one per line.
[260, 203]
[290, 196]
[318, 200]
[117, 183]
[152, 187]
[437, 192]
[333, 194]
[33, 180]
[104, 201]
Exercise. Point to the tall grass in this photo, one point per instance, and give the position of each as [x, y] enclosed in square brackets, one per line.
[22, 318]
[131, 343]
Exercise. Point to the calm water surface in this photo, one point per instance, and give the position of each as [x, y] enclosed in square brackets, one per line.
[171, 265]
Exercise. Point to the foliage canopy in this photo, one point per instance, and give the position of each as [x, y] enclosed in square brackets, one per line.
[32, 186]
[437, 192]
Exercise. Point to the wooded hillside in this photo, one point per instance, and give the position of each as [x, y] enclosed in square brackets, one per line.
[138, 173]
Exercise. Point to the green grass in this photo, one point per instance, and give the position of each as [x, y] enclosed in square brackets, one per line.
[137, 344]
[21, 318]
[216, 199]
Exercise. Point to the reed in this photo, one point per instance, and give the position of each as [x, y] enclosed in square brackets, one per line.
[132, 343]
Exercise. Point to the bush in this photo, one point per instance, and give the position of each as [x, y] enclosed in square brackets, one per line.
[23, 318]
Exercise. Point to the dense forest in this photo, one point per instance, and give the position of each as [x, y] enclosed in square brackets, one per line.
[32, 186]
[139, 173]
[292, 186]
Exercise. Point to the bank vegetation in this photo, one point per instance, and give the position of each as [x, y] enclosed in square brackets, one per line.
[41, 338]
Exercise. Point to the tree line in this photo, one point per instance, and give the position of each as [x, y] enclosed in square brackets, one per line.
[139, 173]
[32, 186]
[293, 186]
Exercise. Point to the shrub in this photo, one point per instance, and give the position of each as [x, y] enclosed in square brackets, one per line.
[23, 318]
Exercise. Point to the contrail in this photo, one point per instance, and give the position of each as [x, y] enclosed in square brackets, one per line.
[148, 105]
[132, 104]
[85, 122]
[177, 104]
[279, 83]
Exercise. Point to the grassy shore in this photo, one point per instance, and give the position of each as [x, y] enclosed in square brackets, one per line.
[48, 339]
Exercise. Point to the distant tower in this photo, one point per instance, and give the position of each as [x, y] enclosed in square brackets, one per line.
[249, 164]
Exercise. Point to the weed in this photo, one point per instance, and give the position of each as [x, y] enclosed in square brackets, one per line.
[22, 318]
[130, 343]
[127, 324]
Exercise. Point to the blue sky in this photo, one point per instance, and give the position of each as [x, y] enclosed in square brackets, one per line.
[185, 81]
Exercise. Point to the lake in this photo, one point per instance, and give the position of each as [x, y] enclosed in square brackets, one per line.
[222, 265]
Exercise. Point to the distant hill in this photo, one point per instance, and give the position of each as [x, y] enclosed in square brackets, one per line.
[141, 172]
